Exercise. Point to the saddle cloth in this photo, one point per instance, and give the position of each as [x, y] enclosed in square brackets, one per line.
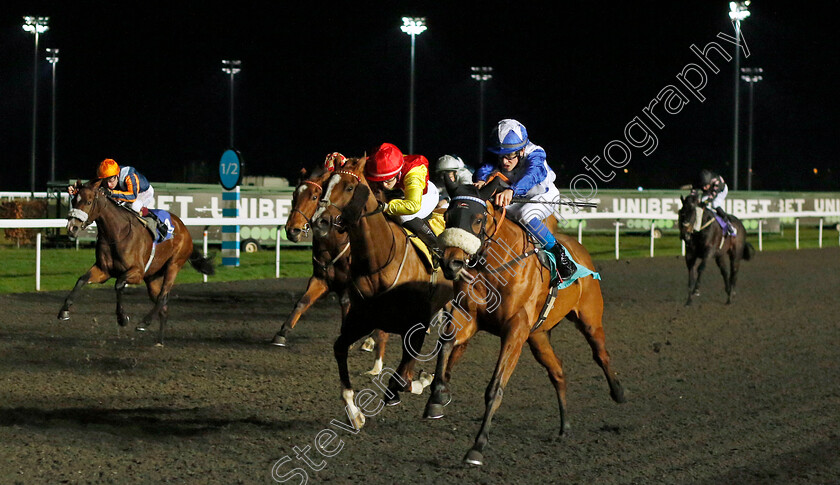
[164, 217]
[728, 229]
[582, 271]
[437, 224]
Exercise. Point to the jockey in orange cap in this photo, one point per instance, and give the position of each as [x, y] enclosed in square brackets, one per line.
[129, 186]
[390, 168]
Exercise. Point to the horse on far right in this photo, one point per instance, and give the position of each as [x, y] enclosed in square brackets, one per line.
[705, 236]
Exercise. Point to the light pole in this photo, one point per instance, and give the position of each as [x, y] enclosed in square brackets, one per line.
[412, 26]
[737, 12]
[231, 67]
[36, 26]
[52, 56]
[751, 75]
[481, 74]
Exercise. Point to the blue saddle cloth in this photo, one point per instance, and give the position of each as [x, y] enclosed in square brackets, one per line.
[164, 217]
[581, 272]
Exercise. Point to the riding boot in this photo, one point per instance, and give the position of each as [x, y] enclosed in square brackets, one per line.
[420, 228]
[730, 229]
[565, 266]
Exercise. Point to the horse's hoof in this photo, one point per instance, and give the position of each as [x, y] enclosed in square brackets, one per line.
[140, 329]
[474, 457]
[123, 321]
[433, 411]
[159, 345]
[279, 341]
[368, 345]
[64, 315]
[393, 401]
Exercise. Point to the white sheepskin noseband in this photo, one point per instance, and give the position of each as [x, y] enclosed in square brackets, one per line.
[454, 237]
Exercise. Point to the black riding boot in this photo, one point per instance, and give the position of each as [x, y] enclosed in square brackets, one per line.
[565, 266]
[420, 228]
[730, 229]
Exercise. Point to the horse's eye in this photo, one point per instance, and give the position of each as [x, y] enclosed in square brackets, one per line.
[349, 188]
[314, 197]
[89, 202]
[476, 224]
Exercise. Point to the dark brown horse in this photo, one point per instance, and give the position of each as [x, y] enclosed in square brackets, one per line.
[330, 260]
[392, 288]
[505, 291]
[704, 239]
[125, 250]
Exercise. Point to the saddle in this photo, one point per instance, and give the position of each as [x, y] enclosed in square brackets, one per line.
[159, 223]
[728, 229]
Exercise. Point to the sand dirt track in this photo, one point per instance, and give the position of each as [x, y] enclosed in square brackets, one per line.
[748, 393]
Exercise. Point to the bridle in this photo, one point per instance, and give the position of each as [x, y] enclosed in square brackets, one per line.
[308, 226]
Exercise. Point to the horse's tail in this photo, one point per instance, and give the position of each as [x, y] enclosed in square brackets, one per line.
[201, 264]
[749, 251]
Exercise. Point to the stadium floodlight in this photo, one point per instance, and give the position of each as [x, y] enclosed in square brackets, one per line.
[231, 67]
[35, 26]
[737, 12]
[412, 26]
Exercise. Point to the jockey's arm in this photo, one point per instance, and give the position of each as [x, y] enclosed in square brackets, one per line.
[534, 174]
[130, 194]
[414, 183]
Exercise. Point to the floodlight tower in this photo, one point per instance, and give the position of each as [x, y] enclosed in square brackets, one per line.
[52, 57]
[737, 12]
[412, 26]
[231, 67]
[481, 74]
[751, 75]
[35, 26]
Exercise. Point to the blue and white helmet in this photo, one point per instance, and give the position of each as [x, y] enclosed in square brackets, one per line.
[508, 136]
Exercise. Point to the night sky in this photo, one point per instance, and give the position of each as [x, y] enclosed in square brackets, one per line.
[144, 86]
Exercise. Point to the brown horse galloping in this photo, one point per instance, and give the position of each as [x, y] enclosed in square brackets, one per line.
[330, 260]
[125, 250]
[704, 238]
[392, 289]
[505, 289]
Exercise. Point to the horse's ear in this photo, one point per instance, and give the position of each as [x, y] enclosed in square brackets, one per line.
[489, 189]
[450, 183]
[682, 199]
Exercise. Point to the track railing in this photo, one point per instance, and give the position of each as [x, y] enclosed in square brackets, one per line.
[617, 217]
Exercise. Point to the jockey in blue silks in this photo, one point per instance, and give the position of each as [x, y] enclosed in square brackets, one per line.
[524, 165]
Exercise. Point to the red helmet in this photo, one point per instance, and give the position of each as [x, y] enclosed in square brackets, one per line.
[385, 164]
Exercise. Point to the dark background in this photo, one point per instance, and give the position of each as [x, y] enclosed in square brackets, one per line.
[142, 83]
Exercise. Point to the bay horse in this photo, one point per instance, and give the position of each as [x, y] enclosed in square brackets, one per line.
[392, 288]
[126, 250]
[704, 239]
[330, 260]
[496, 268]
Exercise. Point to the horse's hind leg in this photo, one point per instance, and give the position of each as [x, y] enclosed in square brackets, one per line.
[93, 275]
[726, 281]
[734, 266]
[316, 288]
[544, 353]
[588, 322]
[161, 299]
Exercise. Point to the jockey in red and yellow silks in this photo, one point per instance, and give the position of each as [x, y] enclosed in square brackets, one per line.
[389, 167]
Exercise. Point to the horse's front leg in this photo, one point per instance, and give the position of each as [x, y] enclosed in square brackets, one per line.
[452, 342]
[93, 275]
[131, 276]
[691, 264]
[315, 289]
[352, 329]
[512, 343]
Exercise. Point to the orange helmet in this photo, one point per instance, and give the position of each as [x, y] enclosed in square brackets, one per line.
[108, 168]
[385, 164]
